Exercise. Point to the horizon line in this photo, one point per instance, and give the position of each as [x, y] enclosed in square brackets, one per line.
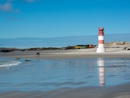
[60, 37]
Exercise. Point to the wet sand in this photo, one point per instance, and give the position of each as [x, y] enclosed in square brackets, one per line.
[120, 91]
[81, 53]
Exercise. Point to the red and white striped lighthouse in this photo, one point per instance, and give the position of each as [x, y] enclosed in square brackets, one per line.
[101, 48]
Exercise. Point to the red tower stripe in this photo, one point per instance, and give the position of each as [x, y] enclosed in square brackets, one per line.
[101, 33]
[100, 41]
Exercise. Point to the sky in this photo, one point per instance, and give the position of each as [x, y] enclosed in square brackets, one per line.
[61, 18]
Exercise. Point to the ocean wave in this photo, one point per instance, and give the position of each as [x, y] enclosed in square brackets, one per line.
[8, 63]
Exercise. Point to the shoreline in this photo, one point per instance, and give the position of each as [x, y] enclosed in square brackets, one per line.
[57, 54]
[118, 91]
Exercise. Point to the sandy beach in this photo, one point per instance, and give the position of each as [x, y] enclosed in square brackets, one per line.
[118, 91]
[81, 53]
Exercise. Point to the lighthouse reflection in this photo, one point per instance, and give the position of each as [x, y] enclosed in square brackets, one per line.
[100, 63]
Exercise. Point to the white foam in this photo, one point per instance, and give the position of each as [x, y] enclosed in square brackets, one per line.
[8, 63]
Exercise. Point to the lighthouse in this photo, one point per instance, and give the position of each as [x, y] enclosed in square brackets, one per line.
[101, 48]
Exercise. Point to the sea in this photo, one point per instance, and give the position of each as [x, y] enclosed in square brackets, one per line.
[41, 42]
[17, 74]
[60, 41]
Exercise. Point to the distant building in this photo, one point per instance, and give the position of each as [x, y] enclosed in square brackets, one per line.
[84, 46]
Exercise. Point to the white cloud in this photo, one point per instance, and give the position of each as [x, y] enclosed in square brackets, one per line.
[30, 1]
[7, 7]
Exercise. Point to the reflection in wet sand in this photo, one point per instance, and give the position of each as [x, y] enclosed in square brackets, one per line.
[53, 74]
[100, 63]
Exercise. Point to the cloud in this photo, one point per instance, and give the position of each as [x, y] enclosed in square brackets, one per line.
[30, 1]
[7, 7]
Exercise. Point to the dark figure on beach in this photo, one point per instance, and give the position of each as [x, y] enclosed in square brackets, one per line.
[125, 48]
[38, 53]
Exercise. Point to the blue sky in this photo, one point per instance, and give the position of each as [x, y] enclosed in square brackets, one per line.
[60, 18]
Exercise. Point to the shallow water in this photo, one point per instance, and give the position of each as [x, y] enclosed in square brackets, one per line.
[51, 74]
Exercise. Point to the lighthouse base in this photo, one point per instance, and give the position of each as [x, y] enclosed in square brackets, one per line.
[101, 50]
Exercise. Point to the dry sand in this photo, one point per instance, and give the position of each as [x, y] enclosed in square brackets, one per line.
[81, 53]
[113, 49]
